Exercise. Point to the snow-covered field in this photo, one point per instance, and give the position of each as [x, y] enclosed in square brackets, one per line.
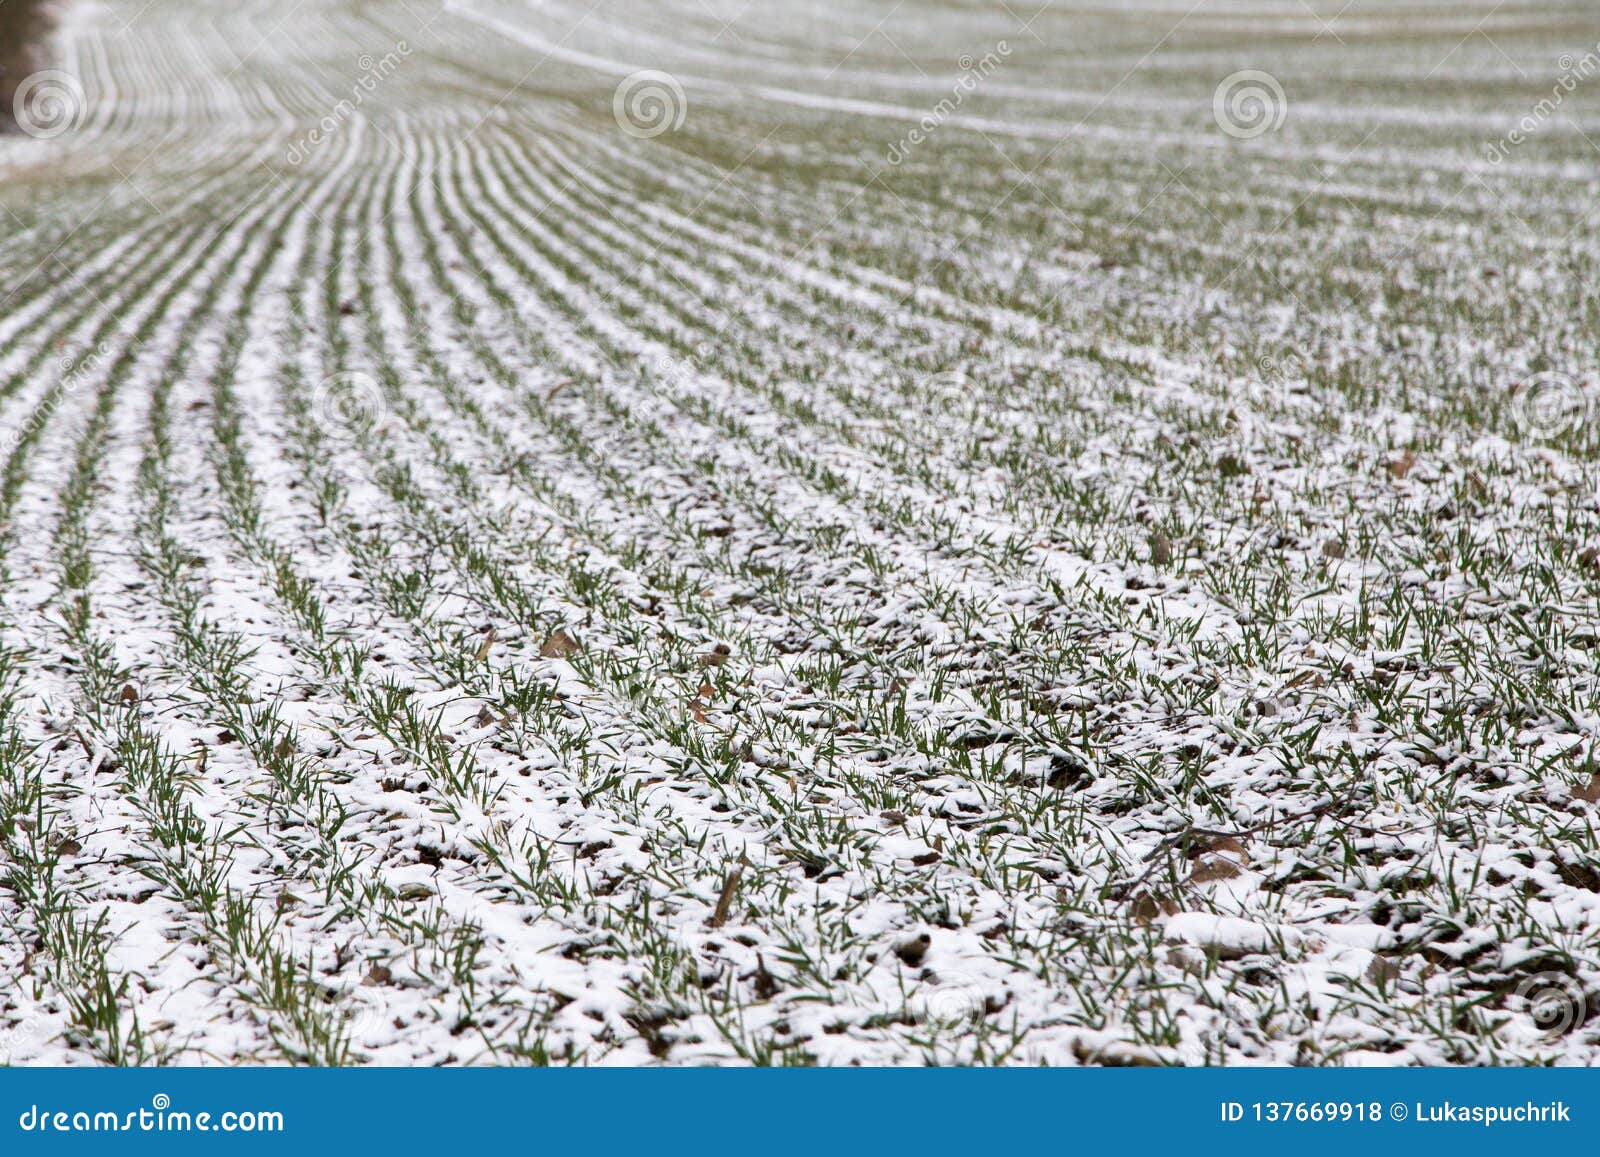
[778, 531]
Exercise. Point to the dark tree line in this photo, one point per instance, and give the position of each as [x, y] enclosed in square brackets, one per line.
[23, 27]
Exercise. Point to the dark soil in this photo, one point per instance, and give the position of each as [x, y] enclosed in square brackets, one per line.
[24, 24]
